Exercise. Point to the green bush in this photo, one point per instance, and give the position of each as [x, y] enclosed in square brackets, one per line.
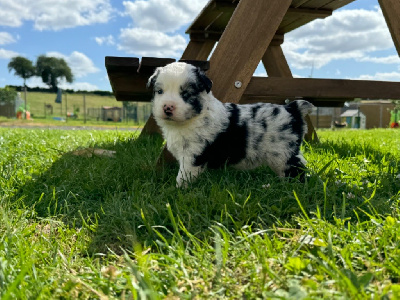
[7, 94]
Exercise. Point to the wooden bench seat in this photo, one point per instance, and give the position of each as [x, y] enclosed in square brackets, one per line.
[128, 75]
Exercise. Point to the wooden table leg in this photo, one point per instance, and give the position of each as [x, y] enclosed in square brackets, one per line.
[151, 127]
[311, 135]
[198, 50]
[391, 12]
[242, 45]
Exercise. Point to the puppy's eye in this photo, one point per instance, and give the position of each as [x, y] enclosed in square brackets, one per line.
[160, 92]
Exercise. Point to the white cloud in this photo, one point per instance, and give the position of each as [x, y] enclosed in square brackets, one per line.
[391, 76]
[347, 34]
[146, 42]
[54, 14]
[36, 81]
[154, 22]
[80, 64]
[83, 86]
[390, 60]
[153, 26]
[6, 38]
[163, 15]
[260, 73]
[7, 54]
[79, 86]
[107, 40]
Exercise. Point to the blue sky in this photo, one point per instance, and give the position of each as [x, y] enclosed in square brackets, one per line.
[353, 43]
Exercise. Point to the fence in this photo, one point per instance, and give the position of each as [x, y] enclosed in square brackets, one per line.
[134, 112]
[7, 110]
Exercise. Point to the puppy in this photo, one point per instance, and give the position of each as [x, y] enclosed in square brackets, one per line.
[202, 132]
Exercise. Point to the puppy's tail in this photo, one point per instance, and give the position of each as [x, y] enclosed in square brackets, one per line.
[303, 106]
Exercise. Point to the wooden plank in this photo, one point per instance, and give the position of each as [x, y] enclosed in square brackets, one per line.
[149, 64]
[214, 30]
[205, 35]
[151, 127]
[221, 22]
[202, 64]
[314, 4]
[243, 44]
[391, 12]
[298, 3]
[293, 21]
[128, 85]
[307, 12]
[320, 102]
[225, 5]
[113, 63]
[275, 62]
[212, 11]
[322, 88]
[198, 50]
[125, 81]
[201, 21]
[336, 4]
[277, 40]
[214, 36]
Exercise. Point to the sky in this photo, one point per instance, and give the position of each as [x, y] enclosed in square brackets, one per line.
[353, 43]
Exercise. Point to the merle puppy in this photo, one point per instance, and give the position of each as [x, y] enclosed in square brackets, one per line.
[203, 132]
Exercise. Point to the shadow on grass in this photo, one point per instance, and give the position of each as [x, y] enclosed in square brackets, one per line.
[123, 198]
[362, 174]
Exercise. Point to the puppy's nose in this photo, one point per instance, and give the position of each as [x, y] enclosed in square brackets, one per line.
[168, 109]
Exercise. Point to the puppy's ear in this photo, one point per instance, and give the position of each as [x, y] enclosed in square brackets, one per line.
[203, 79]
[153, 78]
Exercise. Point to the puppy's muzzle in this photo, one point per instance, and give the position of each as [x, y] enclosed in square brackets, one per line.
[168, 109]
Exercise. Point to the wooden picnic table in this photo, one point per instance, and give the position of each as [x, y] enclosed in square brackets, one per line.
[247, 32]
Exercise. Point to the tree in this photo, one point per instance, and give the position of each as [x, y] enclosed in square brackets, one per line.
[396, 104]
[51, 69]
[22, 67]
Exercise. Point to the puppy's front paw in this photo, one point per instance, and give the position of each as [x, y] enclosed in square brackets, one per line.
[187, 175]
[181, 183]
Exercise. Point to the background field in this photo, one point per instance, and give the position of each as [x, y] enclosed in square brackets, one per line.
[36, 102]
[98, 227]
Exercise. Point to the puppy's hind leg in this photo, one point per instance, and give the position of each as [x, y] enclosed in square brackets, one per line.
[296, 167]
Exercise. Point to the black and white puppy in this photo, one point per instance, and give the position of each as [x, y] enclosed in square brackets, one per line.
[203, 132]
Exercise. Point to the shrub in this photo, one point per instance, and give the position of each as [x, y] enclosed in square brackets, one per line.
[7, 95]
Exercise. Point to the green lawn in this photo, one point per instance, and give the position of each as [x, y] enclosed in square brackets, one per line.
[102, 228]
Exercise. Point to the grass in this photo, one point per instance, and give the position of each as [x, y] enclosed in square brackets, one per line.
[76, 123]
[104, 228]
